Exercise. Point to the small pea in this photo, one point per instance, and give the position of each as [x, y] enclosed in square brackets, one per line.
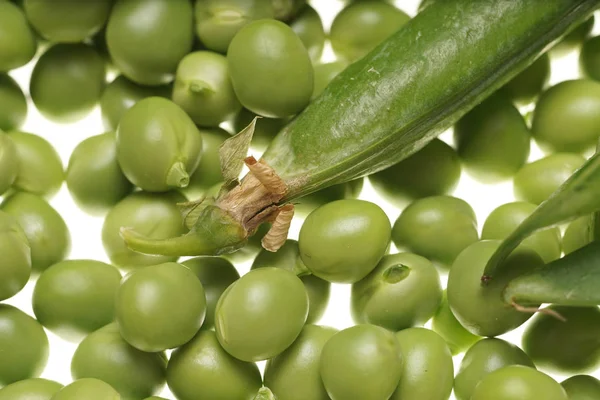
[30, 389]
[580, 387]
[264, 130]
[445, 324]
[577, 234]
[17, 40]
[309, 28]
[15, 257]
[525, 87]
[9, 162]
[324, 74]
[13, 105]
[589, 58]
[89, 389]
[573, 40]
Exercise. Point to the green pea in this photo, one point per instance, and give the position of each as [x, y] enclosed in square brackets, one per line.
[23, 345]
[294, 374]
[105, 355]
[94, 177]
[445, 324]
[324, 74]
[155, 398]
[13, 105]
[579, 387]
[142, 212]
[89, 389]
[309, 28]
[439, 172]
[348, 190]
[574, 38]
[344, 240]
[525, 87]
[284, 10]
[482, 358]
[362, 26]
[17, 41]
[570, 106]
[577, 234]
[505, 219]
[15, 257]
[201, 369]
[158, 145]
[255, 327]
[46, 231]
[536, 181]
[353, 362]
[264, 131]
[88, 304]
[404, 290]
[270, 69]
[40, 167]
[481, 309]
[9, 162]
[288, 257]
[589, 58]
[30, 389]
[148, 53]
[65, 20]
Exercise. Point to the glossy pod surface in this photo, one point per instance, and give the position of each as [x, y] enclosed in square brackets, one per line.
[13, 105]
[18, 42]
[573, 40]
[89, 389]
[30, 389]
[9, 162]
[15, 257]
[445, 324]
[208, 173]
[581, 387]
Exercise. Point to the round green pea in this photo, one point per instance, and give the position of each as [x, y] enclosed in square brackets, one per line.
[577, 234]
[362, 362]
[17, 41]
[324, 74]
[9, 162]
[344, 240]
[536, 181]
[88, 389]
[264, 130]
[589, 58]
[445, 324]
[348, 190]
[525, 87]
[270, 69]
[13, 105]
[261, 314]
[30, 389]
[573, 40]
[15, 257]
[201, 369]
[148, 53]
[404, 290]
[155, 398]
[578, 387]
[105, 355]
[309, 28]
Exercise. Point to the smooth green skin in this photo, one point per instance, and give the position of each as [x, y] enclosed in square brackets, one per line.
[288, 257]
[122, 94]
[160, 307]
[66, 21]
[18, 43]
[294, 374]
[30, 389]
[580, 387]
[270, 69]
[9, 162]
[46, 231]
[15, 257]
[481, 309]
[309, 28]
[482, 358]
[208, 173]
[428, 371]
[445, 324]
[94, 177]
[158, 145]
[155, 398]
[89, 389]
[404, 290]
[13, 105]
[492, 140]
[589, 58]
[566, 117]
[261, 314]
[307, 204]
[576, 235]
[324, 74]
[148, 53]
[362, 26]
[67, 82]
[432, 171]
[105, 355]
[87, 305]
[344, 240]
[536, 181]
[352, 362]
[518, 382]
[505, 219]
[425, 221]
[201, 369]
[40, 167]
[155, 215]
[525, 87]
[264, 131]
[23, 345]
[215, 274]
[574, 38]
[203, 88]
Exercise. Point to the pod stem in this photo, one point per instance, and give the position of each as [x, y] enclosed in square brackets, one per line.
[178, 176]
[189, 245]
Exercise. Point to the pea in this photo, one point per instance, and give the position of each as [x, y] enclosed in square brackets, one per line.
[46, 231]
[570, 106]
[17, 44]
[482, 358]
[23, 345]
[89, 389]
[518, 382]
[254, 328]
[15, 257]
[576, 235]
[105, 355]
[288, 257]
[481, 310]
[420, 226]
[65, 20]
[148, 53]
[439, 172]
[579, 387]
[573, 39]
[30, 389]
[88, 304]
[155, 215]
[344, 240]
[155, 398]
[403, 290]
[589, 59]
[13, 105]
[294, 374]
[309, 28]
[536, 181]
[505, 219]
[324, 74]
[445, 324]
[362, 26]
[201, 369]
[525, 87]
[9, 162]
[40, 167]
[264, 131]
[353, 362]
[349, 190]
[270, 69]
[208, 173]
[94, 177]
